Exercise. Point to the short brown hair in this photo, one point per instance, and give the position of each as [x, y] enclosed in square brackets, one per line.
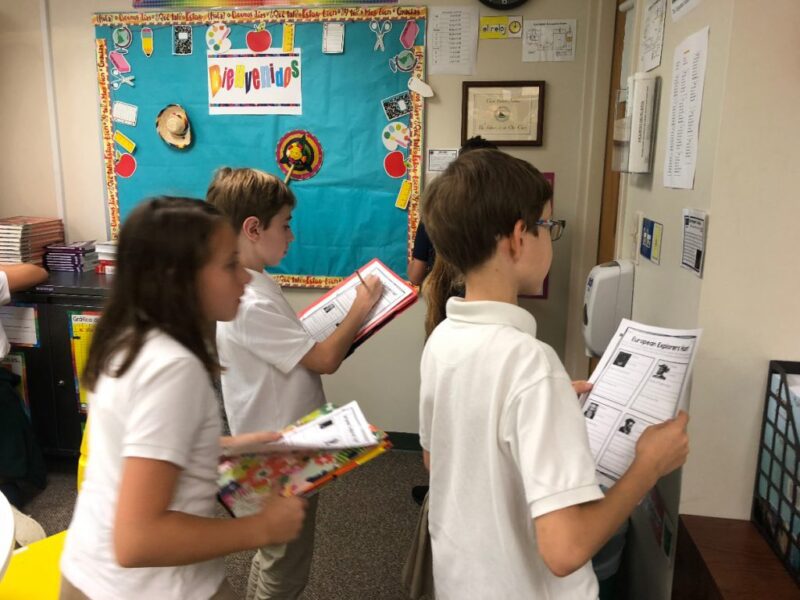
[477, 201]
[243, 193]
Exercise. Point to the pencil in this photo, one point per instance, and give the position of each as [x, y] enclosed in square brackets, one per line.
[361, 279]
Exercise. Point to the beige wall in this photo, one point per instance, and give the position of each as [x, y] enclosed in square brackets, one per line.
[746, 179]
[749, 301]
[25, 169]
[384, 375]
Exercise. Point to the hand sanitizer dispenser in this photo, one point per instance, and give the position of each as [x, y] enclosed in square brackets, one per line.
[608, 300]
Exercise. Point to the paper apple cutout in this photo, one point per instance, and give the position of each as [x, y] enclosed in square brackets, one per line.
[395, 164]
[126, 165]
[258, 40]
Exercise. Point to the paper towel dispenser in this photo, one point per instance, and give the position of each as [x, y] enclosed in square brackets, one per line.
[608, 300]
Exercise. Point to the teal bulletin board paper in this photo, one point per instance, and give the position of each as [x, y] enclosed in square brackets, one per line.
[345, 214]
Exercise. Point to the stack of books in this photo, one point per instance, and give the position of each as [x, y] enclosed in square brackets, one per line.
[22, 239]
[76, 257]
[318, 449]
[106, 257]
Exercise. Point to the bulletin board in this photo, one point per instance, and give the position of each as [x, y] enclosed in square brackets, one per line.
[355, 112]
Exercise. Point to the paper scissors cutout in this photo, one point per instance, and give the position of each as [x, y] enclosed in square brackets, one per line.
[380, 29]
[121, 80]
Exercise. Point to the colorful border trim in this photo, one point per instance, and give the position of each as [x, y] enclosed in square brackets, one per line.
[144, 4]
[415, 152]
[107, 133]
[279, 15]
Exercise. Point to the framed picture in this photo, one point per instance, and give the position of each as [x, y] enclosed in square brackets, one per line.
[508, 113]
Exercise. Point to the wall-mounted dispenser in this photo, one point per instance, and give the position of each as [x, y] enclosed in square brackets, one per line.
[634, 125]
[608, 300]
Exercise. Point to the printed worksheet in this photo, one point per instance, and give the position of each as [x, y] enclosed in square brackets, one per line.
[641, 380]
[343, 427]
[548, 40]
[652, 39]
[322, 318]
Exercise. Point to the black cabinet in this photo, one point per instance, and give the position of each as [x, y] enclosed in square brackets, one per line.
[52, 387]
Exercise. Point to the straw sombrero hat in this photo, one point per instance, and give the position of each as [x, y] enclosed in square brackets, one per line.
[173, 126]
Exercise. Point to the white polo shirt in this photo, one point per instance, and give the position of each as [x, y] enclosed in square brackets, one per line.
[5, 298]
[264, 386]
[162, 408]
[508, 444]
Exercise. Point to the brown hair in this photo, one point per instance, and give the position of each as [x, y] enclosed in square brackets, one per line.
[441, 284]
[477, 201]
[243, 193]
[162, 246]
[467, 209]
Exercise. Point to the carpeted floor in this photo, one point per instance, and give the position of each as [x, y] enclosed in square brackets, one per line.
[364, 527]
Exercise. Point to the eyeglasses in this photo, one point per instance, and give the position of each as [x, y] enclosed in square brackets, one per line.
[556, 227]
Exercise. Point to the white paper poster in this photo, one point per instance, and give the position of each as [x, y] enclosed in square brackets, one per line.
[686, 102]
[680, 8]
[695, 225]
[452, 40]
[548, 40]
[641, 380]
[241, 82]
[21, 325]
[439, 159]
[652, 41]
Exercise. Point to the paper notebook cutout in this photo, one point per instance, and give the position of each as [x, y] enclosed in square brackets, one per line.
[321, 318]
[246, 479]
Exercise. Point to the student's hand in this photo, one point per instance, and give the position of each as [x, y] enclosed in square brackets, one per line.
[664, 447]
[280, 519]
[367, 295]
[243, 440]
[581, 387]
[258, 437]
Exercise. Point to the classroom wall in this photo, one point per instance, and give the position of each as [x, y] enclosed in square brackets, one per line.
[384, 375]
[745, 179]
[26, 169]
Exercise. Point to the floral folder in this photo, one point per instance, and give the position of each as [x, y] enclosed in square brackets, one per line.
[245, 479]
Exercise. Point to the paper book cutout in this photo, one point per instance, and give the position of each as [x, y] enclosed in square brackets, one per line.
[324, 316]
[244, 480]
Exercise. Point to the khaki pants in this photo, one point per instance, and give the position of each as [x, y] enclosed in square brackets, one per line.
[70, 592]
[281, 572]
[417, 576]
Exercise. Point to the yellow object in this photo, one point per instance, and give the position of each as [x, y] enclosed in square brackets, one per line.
[403, 195]
[288, 37]
[84, 457]
[123, 140]
[33, 572]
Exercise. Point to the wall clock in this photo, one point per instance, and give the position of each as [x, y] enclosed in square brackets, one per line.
[503, 4]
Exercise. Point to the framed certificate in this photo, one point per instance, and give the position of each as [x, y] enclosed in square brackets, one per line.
[508, 113]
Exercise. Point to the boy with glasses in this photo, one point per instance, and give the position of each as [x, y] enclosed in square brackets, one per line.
[515, 510]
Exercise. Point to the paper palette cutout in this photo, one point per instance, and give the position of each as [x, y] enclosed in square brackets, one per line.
[394, 135]
[301, 149]
[217, 37]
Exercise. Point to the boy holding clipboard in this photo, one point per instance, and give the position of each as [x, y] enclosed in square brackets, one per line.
[272, 365]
